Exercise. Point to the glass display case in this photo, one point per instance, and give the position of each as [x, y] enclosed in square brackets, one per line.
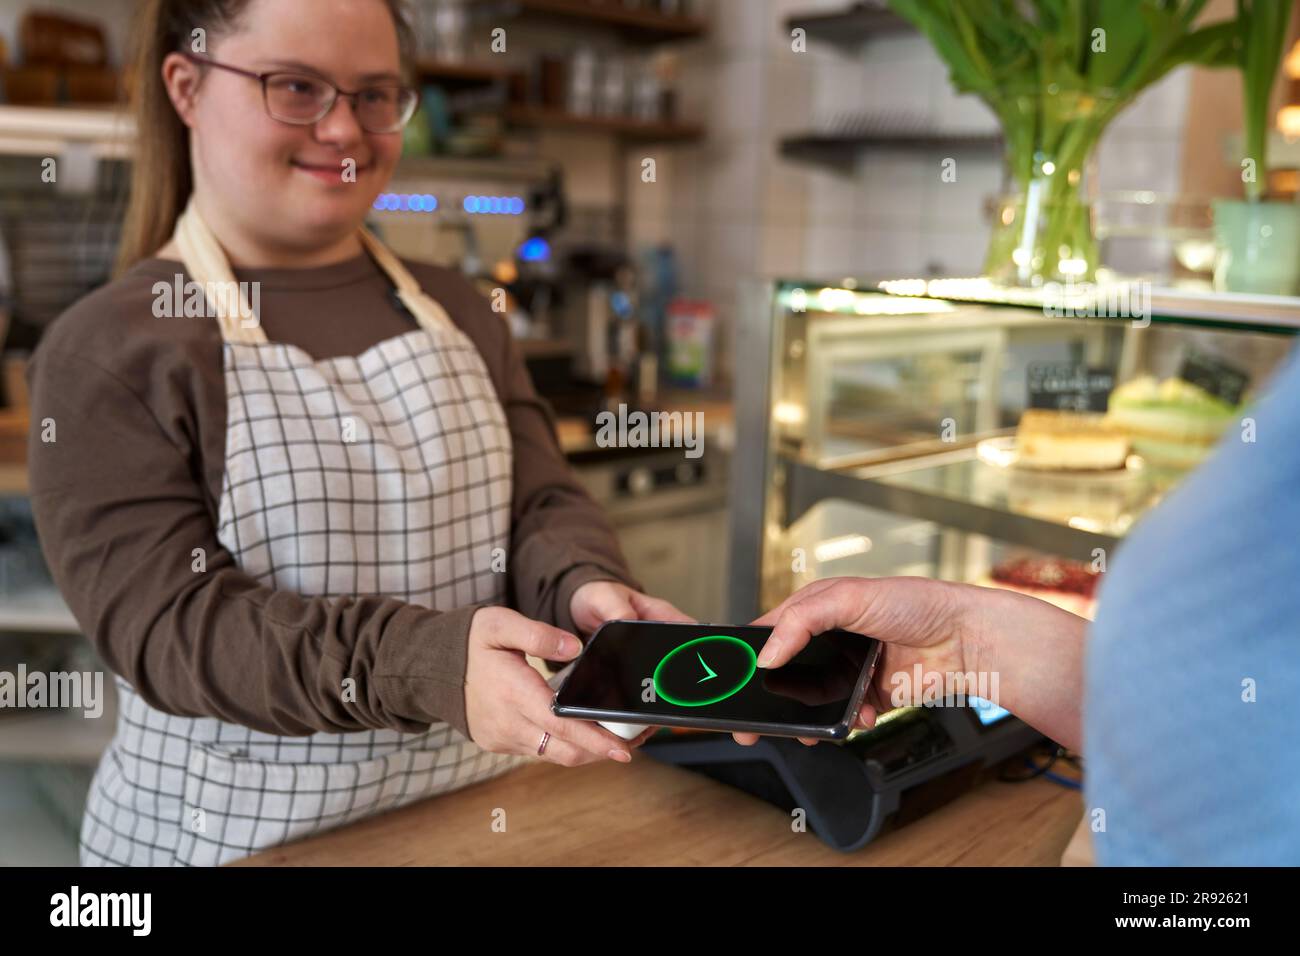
[882, 426]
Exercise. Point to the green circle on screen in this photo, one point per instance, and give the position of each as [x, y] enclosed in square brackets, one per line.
[705, 670]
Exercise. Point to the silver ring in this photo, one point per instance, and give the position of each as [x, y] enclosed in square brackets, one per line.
[546, 739]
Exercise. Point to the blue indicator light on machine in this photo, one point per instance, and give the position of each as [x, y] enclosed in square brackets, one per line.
[493, 205]
[413, 202]
[535, 249]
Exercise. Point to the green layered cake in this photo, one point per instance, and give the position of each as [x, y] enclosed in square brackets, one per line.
[1172, 424]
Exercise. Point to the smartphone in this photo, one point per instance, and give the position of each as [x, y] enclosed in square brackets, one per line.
[706, 677]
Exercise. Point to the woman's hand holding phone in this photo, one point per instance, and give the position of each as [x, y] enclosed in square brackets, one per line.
[599, 601]
[508, 704]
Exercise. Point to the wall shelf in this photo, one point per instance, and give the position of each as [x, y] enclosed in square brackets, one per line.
[460, 75]
[625, 128]
[636, 26]
[108, 133]
[850, 28]
[840, 151]
[53, 130]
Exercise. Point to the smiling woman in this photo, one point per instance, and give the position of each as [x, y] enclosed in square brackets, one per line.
[233, 147]
[290, 531]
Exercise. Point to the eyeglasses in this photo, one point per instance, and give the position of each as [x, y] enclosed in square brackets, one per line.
[303, 100]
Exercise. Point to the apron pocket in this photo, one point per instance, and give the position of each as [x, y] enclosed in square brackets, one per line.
[237, 805]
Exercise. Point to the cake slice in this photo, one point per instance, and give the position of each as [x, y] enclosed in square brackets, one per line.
[1067, 584]
[1050, 440]
[1171, 423]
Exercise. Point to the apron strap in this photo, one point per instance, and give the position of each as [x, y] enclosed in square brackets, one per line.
[426, 309]
[207, 265]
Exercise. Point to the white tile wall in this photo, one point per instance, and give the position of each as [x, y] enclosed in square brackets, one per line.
[785, 189]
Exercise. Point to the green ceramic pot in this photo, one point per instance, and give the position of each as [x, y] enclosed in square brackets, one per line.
[1258, 247]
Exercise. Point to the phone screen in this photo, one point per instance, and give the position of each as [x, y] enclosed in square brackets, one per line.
[657, 670]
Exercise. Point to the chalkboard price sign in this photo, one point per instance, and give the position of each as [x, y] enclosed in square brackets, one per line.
[1069, 386]
[1215, 376]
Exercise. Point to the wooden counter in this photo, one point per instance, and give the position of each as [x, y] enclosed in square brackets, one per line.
[651, 814]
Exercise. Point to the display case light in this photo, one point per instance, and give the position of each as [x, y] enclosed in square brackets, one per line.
[788, 413]
[838, 300]
[843, 546]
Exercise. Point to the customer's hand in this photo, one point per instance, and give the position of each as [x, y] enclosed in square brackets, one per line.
[599, 601]
[918, 620]
[1034, 648]
[508, 704]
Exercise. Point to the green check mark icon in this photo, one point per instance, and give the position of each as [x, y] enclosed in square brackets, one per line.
[712, 674]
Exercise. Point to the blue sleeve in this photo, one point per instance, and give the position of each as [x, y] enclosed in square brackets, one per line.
[1192, 701]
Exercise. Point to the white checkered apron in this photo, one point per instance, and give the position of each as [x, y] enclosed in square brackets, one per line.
[385, 473]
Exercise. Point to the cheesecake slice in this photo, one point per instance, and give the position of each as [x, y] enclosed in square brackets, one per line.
[1049, 440]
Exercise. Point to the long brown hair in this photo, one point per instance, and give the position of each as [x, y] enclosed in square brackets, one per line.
[161, 178]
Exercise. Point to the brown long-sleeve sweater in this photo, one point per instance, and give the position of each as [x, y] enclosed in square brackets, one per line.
[130, 487]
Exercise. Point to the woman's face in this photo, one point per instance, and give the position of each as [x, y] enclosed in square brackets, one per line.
[284, 186]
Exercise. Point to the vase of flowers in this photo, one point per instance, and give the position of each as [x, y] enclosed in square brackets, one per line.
[1043, 226]
[1056, 73]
